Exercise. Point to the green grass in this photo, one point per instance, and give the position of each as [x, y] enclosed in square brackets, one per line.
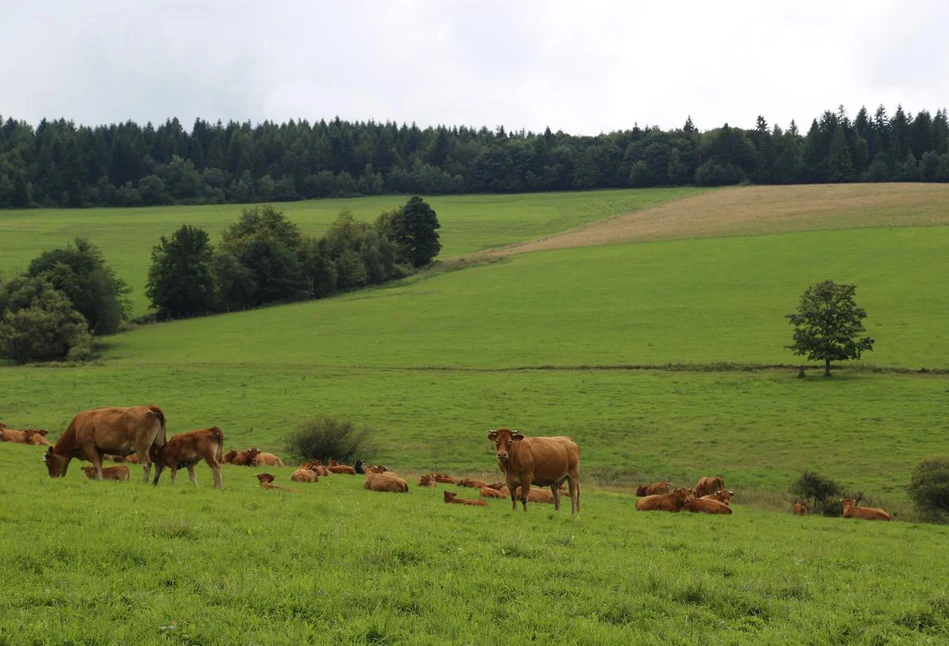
[686, 301]
[124, 563]
[469, 223]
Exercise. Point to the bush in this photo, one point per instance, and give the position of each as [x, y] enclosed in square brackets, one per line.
[45, 328]
[822, 490]
[929, 488]
[329, 438]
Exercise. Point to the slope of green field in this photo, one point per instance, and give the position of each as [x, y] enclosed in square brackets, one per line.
[469, 223]
[711, 300]
[125, 563]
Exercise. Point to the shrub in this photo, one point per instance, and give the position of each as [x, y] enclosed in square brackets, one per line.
[822, 490]
[329, 437]
[929, 488]
[40, 325]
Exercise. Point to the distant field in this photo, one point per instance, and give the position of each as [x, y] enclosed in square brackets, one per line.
[469, 223]
[125, 563]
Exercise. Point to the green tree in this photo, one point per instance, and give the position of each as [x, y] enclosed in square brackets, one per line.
[80, 272]
[839, 164]
[929, 487]
[38, 323]
[828, 323]
[181, 278]
[416, 232]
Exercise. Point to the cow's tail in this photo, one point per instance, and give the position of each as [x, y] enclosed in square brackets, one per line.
[161, 437]
[219, 435]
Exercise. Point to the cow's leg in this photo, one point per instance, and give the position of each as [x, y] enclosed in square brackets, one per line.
[574, 494]
[525, 491]
[174, 472]
[555, 490]
[513, 498]
[158, 469]
[191, 475]
[216, 470]
[95, 457]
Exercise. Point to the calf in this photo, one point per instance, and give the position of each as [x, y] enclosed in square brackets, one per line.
[865, 513]
[341, 468]
[427, 480]
[653, 489]
[385, 482]
[671, 501]
[537, 495]
[800, 508]
[187, 449]
[108, 473]
[266, 459]
[722, 495]
[266, 482]
[444, 479]
[305, 474]
[11, 434]
[36, 437]
[490, 492]
[450, 498]
[706, 506]
[474, 484]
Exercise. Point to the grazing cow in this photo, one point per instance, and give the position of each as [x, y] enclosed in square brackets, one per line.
[187, 449]
[722, 496]
[444, 479]
[474, 484]
[800, 508]
[706, 506]
[427, 480]
[266, 460]
[653, 489]
[108, 473]
[541, 461]
[385, 482]
[305, 474]
[865, 513]
[708, 485]
[133, 429]
[490, 492]
[450, 497]
[671, 501]
[266, 482]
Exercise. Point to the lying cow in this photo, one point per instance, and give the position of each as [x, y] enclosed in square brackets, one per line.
[541, 461]
[445, 479]
[474, 484]
[119, 430]
[491, 492]
[266, 459]
[653, 489]
[305, 474]
[427, 480]
[11, 434]
[706, 506]
[722, 495]
[187, 449]
[450, 497]
[672, 501]
[108, 473]
[37, 437]
[865, 513]
[266, 482]
[385, 482]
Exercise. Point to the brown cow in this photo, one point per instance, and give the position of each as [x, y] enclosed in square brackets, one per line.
[108, 473]
[671, 501]
[865, 513]
[36, 437]
[229, 457]
[706, 506]
[491, 492]
[120, 430]
[266, 459]
[444, 479]
[244, 458]
[342, 468]
[474, 484]
[266, 482]
[654, 489]
[708, 485]
[450, 497]
[385, 482]
[541, 461]
[722, 496]
[800, 508]
[11, 434]
[187, 449]
[538, 495]
[305, 474]
[427, 480]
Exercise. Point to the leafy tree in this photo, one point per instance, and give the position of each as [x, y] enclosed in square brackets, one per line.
[236, 284]
[38, 323]
[929, 487]
[80, 272]
[416, 232]
[153, 192]
[828, 323]
[814, 486]
[181, 278]
[327, 438]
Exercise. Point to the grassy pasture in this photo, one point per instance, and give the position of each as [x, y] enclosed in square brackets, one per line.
[469, 223]
[119, 563]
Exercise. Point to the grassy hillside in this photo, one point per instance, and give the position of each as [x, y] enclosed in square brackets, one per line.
[469, 223]
[334, 564]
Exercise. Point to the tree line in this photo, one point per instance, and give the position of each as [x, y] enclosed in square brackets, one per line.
[67, 296]
[61, 164]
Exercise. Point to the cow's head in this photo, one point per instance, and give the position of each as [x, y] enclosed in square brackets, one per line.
[847, 503]
[683, 493]
[90, 472]
[449, 496]
[265, 477]
[503, 438]
[56, 464]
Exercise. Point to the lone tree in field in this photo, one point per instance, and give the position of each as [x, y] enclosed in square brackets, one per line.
[180, 280]
[827, 324]
[414, 230]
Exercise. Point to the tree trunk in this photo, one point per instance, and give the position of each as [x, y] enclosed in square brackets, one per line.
[827, 367]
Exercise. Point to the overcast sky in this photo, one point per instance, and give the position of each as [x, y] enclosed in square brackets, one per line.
[580, 66]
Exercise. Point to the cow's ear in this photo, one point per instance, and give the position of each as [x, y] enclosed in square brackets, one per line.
[493, 436]
[43, 432]
[517, 436]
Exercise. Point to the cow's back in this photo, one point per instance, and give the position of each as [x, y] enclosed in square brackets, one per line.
[552, 458]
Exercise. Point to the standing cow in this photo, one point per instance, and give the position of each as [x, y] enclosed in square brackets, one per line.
[542, 461]
[124, 430]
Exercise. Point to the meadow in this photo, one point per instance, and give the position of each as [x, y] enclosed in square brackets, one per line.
[117, 563]
[663, 358]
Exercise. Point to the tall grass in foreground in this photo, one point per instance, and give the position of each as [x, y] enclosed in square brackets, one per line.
[116, 563]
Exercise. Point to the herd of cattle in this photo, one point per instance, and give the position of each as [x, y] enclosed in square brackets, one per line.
[138, 434]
